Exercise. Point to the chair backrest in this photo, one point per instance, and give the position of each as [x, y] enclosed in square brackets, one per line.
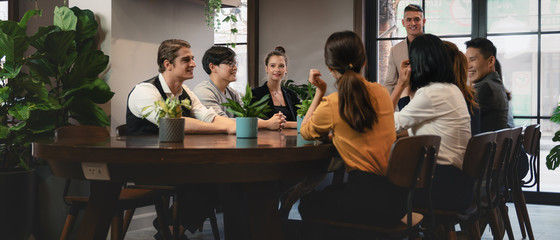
[81, 132]
[495, 177]
[478, 157]
[412, 164]
[412, 160]
[511, 162]
[121, 130]
[531, 144]
[532, 137]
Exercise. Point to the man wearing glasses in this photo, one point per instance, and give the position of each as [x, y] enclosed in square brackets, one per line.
[413, 21]
[221, 66]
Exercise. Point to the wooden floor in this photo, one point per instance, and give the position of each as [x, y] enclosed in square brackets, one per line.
[545, 221]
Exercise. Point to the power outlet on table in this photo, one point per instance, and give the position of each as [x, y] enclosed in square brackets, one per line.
[95, 171]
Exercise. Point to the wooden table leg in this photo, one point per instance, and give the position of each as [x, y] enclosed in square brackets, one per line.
[262, 203]
[101, 207]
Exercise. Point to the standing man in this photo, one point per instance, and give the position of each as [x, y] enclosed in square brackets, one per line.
[221, 66]
[176, 65]
[413, 21]
[490, 91]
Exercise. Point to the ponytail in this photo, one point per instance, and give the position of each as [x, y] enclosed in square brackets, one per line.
[354, 102]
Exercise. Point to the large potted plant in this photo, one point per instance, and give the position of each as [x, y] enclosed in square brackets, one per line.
[169, 118]
[553, 157]
[246, 122]
[48, 79]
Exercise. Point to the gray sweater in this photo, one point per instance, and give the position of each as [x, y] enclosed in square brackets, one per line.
[211, 97]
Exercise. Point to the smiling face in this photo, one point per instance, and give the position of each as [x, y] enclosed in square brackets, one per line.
[413, 22]
[226, 71]
[479, 66]
[183, 65]
[276, 68]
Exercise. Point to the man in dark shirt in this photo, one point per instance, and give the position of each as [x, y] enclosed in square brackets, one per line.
[490, 91]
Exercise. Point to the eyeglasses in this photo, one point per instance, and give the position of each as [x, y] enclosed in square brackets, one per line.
[230, 63]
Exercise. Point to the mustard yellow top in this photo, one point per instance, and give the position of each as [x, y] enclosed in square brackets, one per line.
[367, 151]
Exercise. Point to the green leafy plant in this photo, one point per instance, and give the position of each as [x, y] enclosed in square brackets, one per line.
[305, 92]
[49, 79]
[553, 157]
[212, 9]
[255, 109]
[170, 108]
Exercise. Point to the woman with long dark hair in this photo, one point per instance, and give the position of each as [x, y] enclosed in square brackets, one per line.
[438, 107]
[360, 116]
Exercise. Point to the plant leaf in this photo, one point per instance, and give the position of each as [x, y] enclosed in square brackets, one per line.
[88, 65]
[19, 111]
[57, 45]
[65, 19]
[553, 158]
[86, 27]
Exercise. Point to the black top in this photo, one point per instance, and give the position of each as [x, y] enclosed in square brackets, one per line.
[290, 97]
[493, 103]
[139, 126]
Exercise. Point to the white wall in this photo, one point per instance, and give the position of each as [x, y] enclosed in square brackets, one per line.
[302, 28]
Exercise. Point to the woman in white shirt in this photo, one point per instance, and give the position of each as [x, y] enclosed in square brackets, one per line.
[437, 108]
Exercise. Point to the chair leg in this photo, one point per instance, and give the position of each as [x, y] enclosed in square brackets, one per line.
[117, 226]
[214, 224]
[495, 224]
[519, 216]
[128, 214]
[176, 217]
[69, 223]
[525, 214]
[162, 207]
[505, 217]
[474, 230]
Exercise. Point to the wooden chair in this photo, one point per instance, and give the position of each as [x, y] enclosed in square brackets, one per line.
[495, 182]
[478, 154]
[121, 131]
[531, 144]
[129, 199]
[411, 166]
[510, 166]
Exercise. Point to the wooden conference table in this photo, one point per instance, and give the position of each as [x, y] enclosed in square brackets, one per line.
[218, 158]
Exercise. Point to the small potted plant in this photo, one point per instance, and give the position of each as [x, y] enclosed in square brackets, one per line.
[304, 106]
[553, 158]
[169, 118]
[247, 114]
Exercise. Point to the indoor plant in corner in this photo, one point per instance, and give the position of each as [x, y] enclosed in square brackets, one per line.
[246, 122]
[553, 158]
[48, 79]
[169, 118]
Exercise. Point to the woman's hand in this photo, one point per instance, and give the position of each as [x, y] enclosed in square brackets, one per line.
[404, 74]
[317, 81]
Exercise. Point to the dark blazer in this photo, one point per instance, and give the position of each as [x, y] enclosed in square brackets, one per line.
[493, 102]
[290, 97]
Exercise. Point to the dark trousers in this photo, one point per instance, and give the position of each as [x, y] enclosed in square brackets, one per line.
[365, 198]
[452, 189]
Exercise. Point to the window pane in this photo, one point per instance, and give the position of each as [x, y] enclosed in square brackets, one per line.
[242, 73]
[518, 57]
[3, 10]
[460, 42]
[448, 17]
[390, 25]
[512, 16]
[550, 19]
[223, 34]
[384, 48]
[550, 180]
[550, 73]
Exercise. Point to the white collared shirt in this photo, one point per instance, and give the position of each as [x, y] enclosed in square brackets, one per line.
[145, 94]
[439, 109]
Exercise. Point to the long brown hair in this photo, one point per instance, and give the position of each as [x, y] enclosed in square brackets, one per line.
[460, 67]
[345, 53]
